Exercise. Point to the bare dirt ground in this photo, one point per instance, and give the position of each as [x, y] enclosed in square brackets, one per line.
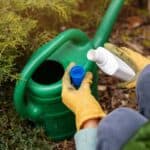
[132, 30]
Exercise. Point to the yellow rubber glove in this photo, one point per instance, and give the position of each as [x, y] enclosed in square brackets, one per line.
[134, 59]
[80, 101]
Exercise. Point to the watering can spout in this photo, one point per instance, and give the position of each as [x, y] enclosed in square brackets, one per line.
[105, 28]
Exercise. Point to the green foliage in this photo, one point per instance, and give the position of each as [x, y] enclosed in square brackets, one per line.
[27, 24]
[13, 37]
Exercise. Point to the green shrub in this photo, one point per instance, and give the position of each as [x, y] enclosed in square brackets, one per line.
[27, 24]
[14, 32]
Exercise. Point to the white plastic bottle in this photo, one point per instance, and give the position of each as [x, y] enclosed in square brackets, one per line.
[111, 64]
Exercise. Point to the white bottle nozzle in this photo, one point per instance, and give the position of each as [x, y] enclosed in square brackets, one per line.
[111, 64]
[91, 55]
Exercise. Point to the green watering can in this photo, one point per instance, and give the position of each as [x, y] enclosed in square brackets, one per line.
[37, 94]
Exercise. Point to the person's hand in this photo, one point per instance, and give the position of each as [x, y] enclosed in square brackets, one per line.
[80, 101]
[134, 59]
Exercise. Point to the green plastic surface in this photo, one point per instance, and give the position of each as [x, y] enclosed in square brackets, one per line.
[37, 94]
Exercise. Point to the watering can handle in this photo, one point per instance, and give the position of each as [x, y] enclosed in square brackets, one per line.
[107, 23]
[38, 58]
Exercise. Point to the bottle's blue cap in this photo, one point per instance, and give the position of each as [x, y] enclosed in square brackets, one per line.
[77, 74]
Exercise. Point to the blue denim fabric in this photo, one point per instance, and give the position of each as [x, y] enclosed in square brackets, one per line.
[117, 128]
[143, 92]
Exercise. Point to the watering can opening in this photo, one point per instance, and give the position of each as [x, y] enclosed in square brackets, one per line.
[48, 72]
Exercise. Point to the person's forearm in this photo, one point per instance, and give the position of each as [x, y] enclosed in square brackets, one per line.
[86, 137]
[92, 123]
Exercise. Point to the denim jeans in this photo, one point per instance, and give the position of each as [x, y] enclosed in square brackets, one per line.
[121, 124]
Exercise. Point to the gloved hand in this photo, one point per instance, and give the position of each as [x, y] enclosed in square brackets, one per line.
[80, 101]
[134, 59]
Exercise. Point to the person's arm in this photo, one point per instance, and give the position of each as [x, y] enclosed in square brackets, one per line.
[86, 137]
[87, 110]
[92, 123]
